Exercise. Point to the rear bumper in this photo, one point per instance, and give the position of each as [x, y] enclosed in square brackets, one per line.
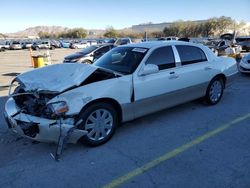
[37, 128]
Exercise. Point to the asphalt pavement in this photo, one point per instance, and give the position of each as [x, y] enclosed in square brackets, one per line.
[191, 145]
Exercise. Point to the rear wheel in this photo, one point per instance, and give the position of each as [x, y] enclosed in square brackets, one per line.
[100, 121]
[214, 91]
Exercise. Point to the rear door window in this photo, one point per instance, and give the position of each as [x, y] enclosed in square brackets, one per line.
[163, 57]
[190, 54]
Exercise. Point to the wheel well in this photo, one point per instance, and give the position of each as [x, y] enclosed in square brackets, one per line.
[223, 77]
[113, 102]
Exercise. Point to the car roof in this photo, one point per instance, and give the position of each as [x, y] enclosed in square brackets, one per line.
[154, 44]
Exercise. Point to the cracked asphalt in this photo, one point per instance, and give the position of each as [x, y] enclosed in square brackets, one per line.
[222, 161]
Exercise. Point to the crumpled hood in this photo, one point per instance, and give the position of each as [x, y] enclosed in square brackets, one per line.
[56, 78]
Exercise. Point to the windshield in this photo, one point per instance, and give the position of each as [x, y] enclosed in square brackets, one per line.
[88, 49]
[122, 59]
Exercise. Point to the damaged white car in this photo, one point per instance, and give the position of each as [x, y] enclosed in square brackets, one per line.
[68, 102]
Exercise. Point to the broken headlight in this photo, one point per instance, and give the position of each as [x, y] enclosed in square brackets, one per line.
[58, 108]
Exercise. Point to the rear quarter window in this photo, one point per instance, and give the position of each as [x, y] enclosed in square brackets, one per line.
[190, 54]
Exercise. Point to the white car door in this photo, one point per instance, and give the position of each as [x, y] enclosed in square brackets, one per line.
[195, 70]
[159, 90]
[184, 75]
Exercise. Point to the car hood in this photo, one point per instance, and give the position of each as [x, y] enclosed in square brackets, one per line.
[75, 56]
[55, 78]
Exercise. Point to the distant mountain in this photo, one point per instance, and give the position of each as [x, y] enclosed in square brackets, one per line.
[33, 31]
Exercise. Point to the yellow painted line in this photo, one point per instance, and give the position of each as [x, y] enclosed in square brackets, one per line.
[117, 182]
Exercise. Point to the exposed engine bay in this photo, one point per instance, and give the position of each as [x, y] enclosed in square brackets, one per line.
[32, 103]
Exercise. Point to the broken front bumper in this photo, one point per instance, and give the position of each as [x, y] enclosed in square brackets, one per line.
[37, 128]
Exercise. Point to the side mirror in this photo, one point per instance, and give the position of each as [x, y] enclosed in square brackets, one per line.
[149, 69]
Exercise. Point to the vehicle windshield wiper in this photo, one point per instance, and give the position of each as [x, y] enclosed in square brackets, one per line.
[112, 71]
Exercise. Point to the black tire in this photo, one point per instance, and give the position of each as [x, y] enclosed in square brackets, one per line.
[52, 47]
[84, 117]
[37, 48]
[212, 100]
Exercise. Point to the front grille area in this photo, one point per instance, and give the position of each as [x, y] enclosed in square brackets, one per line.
[34, 104]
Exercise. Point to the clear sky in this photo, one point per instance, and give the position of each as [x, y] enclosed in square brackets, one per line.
[18, 15]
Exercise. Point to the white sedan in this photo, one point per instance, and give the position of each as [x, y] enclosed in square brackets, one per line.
[71, 102]
[244, 65]
[80, 45]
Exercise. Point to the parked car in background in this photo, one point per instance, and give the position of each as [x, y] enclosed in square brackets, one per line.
[15, 45]
[91, 42]
[122, 41]
[43, 45]
[168, 38]
[110, 41]
[89, 54]
[106, 40]
[244, 42]
[6, 45]
[65, 44]
[55, 43]
[26, 44]
[2, 49]
[219, 46]
[79, 45]
[244, 65]
[87, 102]
[185, 39]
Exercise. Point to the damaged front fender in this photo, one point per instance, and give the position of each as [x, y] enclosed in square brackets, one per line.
[119, 89]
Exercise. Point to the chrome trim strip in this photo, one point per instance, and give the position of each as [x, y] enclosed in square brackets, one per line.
[150, 105]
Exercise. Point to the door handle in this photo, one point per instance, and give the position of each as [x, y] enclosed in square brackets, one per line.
[173, 75]
[207, 68]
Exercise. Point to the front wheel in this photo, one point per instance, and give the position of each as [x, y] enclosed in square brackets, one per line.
[100, 121]
[214, 91]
